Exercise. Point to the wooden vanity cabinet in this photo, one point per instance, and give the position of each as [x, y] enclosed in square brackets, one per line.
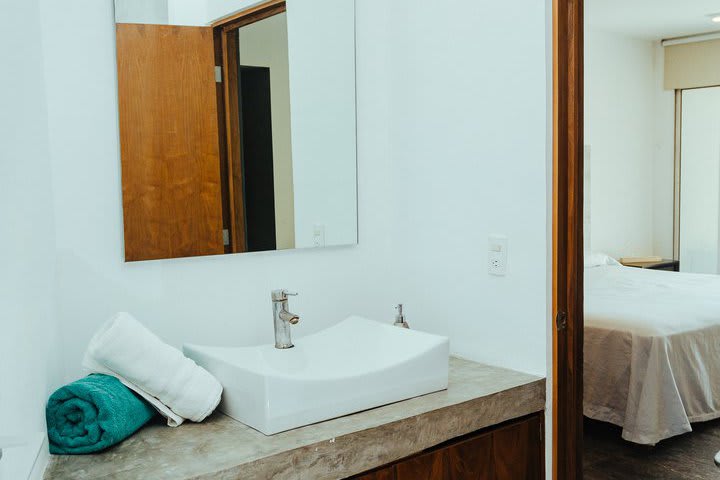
[512, 451]
[387, 473]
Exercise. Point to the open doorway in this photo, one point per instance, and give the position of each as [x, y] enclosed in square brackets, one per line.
[636, 290]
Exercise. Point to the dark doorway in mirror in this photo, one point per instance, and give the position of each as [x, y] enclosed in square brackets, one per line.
[257, 155]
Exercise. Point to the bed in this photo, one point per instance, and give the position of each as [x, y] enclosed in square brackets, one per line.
[652, 349]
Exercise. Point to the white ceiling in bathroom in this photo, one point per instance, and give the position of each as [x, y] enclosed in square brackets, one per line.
[653, 19]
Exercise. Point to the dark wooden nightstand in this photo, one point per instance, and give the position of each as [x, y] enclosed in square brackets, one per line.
[665, 264]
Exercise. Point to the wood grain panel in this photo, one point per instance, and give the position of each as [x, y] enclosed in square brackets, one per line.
[518, 451]
[387, 473]
[231, 82]
[471, 459]
[172, 203]
[567, 288]
[512, 451]
[430, 466]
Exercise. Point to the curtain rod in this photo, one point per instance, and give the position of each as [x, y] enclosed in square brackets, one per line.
[703, 37]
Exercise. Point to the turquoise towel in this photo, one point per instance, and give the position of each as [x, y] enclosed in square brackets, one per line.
[92, 414]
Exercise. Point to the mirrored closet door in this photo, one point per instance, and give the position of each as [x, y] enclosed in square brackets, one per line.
[699, 219]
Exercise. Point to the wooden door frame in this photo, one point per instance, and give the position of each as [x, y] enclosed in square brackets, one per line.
[567, 244]
[227, 56]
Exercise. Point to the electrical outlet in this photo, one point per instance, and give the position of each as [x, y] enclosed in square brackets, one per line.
[497, 255]
[318, 236]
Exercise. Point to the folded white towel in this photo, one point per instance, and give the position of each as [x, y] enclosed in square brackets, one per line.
[177, 387]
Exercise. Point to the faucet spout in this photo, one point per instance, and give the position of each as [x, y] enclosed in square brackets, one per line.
[291, 318]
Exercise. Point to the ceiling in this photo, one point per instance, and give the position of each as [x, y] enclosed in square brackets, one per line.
[653, 19]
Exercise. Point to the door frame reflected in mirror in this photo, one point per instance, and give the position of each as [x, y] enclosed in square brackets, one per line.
[227, 53]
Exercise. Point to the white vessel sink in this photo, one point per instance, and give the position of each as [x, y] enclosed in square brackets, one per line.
[355, 365]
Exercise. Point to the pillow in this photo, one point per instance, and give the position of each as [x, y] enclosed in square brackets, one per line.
[596, 259]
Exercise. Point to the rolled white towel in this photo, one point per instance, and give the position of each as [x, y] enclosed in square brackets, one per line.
[177, 387]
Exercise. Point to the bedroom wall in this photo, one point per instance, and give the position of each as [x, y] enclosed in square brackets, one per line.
[629, 127]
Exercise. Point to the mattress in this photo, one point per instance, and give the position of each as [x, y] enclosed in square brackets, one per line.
[652, 350]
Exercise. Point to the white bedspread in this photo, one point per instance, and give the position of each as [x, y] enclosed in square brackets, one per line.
[652, 350]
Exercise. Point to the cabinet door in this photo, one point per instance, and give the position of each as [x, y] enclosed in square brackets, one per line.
[169, 142]
[382, 474]
[430, 466]
[518, 451]
[512, 452]
[471, 459]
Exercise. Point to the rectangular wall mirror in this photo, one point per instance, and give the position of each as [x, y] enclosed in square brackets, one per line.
[239, 134]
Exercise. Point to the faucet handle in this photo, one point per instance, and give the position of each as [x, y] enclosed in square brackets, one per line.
[282, 295]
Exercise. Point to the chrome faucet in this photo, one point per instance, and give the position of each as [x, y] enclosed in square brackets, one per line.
[282, 318]
[400, 318]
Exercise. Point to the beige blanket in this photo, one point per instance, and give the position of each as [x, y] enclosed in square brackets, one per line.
[652, 350]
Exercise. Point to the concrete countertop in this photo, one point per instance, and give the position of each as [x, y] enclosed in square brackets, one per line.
[220, 448]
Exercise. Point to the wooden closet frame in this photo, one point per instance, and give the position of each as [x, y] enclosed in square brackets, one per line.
[227, 56]
[567, 243]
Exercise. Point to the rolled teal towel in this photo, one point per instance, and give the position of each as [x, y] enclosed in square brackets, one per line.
[92, 414]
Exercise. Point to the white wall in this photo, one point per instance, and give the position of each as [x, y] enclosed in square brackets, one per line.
[29, 351]
[187, 12]
[142, 11]
[467, 126]
[220, 300]
[619, 74]
[441, 166]
[629, 126]
[321, 44]
[162, 12]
